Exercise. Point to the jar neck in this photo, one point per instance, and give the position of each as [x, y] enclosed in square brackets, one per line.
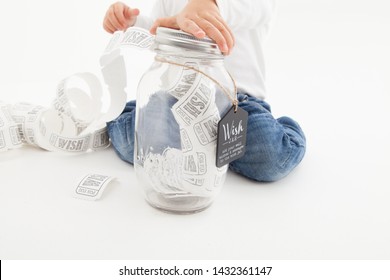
[179, 54]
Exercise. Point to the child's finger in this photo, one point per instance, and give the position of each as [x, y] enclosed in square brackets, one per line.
[214, 33]
[130, 13]
[192, 27]
[108, 26]
[169, 22]
[224, 31]
[119, 15]
[227, 29]
[112, 24]
[113, 19]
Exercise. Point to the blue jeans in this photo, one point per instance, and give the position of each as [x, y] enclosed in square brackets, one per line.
[274, 146]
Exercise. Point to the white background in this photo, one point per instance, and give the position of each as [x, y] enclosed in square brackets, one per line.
[327, 67]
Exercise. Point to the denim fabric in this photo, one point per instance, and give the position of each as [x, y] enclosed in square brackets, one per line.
[274, 146]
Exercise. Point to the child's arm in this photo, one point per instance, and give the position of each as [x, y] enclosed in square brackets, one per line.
[119, 17]
[200, 18]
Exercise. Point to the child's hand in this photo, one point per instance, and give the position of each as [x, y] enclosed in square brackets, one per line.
[119, 17]
[200, 18]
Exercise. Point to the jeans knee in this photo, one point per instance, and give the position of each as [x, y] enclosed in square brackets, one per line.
[261, 172]
[271, 166]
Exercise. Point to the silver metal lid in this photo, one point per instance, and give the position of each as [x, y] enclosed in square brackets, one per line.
[178, 38]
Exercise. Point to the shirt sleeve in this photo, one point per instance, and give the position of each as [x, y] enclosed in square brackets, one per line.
[246, 14]
[146, 21]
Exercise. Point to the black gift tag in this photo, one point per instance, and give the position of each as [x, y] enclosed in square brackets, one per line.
[231, 136]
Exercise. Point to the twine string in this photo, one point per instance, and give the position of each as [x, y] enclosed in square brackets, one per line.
[224, 90]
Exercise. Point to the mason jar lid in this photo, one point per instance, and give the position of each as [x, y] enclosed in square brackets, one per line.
[178, 38]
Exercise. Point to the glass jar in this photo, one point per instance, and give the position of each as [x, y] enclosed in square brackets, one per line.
[180, 100]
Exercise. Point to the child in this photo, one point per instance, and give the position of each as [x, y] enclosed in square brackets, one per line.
[274, 146]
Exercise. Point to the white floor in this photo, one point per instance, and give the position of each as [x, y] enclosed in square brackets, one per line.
[328, 67]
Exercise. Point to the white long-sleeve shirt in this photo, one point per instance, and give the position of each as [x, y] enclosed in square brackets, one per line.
[249, 20]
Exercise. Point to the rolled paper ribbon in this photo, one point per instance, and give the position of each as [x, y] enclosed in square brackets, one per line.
[75, 121]
[10, 137]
